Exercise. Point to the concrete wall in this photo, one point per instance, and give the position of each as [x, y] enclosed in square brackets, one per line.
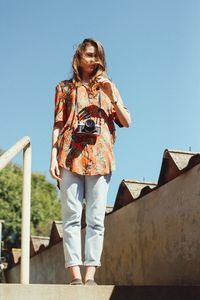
[155, 240]
[47, 267]
[152, 241]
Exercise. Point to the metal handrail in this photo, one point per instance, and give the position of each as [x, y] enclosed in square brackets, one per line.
[25, 145]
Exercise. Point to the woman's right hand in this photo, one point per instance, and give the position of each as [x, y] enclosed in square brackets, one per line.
[54, 169]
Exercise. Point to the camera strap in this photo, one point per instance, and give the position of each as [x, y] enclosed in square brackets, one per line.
[76, 105]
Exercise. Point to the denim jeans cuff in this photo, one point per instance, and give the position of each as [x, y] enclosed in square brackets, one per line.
[73, 264]
[92, 264]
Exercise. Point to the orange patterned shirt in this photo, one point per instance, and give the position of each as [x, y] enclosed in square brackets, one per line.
[79, 152]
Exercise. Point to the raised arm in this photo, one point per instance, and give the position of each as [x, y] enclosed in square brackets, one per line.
[112, 92]
[122, 113]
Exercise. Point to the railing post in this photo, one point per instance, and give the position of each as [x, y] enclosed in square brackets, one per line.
[1, 221]
[26, 208]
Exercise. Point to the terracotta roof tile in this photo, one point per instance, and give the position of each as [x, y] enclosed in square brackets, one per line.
[176, 162]
[130, 190]
[38, 243]
[56, 232]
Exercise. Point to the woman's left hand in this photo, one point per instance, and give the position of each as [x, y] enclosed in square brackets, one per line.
[106, 85]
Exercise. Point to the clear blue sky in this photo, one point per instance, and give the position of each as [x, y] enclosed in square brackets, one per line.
[153, 55]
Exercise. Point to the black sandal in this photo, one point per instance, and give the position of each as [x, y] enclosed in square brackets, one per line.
[76, 281]
[90, 282]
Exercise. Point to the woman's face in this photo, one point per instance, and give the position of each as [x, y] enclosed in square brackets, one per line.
[88, 61]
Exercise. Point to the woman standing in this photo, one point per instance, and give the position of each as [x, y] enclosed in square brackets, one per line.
[82, 158]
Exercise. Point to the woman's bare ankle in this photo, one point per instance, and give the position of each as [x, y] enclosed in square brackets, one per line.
[75, 272]
[90, 272]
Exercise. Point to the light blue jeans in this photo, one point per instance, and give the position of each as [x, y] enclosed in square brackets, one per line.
[72, 188]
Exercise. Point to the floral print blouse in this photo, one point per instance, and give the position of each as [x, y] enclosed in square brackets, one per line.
[85, 154]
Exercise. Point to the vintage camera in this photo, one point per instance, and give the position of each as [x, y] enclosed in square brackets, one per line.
[89, 127]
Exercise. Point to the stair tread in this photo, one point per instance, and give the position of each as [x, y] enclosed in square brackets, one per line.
[99, 292]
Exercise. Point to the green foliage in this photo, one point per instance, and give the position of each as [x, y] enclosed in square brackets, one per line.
[45, 205]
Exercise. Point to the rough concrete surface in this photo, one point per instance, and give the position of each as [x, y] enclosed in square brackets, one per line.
[64, 292]
[155, 240]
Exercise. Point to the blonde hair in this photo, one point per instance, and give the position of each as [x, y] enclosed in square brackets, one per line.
[101, 61]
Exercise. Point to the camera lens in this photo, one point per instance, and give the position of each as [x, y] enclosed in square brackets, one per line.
[89, 125]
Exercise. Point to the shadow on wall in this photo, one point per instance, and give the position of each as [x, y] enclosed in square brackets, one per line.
[155, 293]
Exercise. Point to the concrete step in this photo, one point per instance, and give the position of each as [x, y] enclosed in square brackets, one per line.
[101, 292]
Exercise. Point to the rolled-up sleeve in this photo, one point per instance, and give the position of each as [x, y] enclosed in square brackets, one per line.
[115, 117]
[113, 113]
[60, 106]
